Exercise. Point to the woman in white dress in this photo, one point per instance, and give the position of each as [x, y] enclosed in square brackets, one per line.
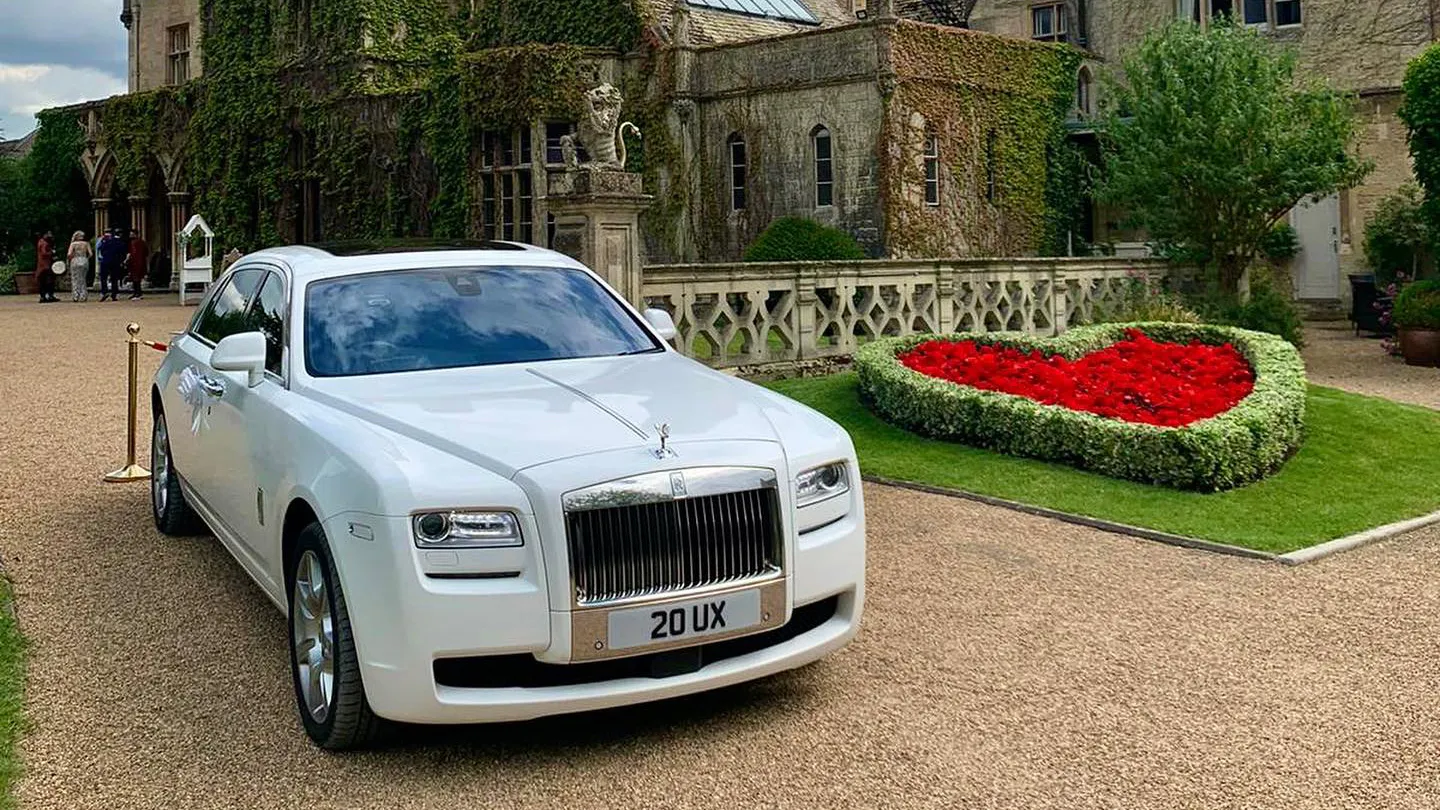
[78, 258]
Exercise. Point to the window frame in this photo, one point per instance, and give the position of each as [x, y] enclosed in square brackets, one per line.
[739, 193]
[506, 156]
[177, 60]
[930, 161]
[824, 189]
[1299, 7]
[1059, 22]
[281, 376]
[217, 289]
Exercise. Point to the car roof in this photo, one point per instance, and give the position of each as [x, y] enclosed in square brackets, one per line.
[324, 260]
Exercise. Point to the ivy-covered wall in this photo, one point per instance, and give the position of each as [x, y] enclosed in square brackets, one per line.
[997, 106]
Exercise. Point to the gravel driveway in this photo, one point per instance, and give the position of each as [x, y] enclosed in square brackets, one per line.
[1007, 661]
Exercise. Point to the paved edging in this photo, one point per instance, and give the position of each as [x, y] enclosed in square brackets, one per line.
[1299, 557]
[1082, 520]
[1364, 538]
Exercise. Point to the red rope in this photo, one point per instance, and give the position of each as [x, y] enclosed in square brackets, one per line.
[159, 347]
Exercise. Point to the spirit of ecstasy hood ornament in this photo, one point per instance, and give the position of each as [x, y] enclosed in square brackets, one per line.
[664, 451]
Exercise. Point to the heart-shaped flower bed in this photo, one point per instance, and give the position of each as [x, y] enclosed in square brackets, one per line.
[1184, 405]
[1137, 379]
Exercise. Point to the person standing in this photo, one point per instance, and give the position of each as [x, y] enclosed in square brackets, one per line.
[113, 251]
[78, 258]
[44, 275]
[138, 261]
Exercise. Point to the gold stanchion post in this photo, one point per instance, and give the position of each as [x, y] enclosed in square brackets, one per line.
[131, 471]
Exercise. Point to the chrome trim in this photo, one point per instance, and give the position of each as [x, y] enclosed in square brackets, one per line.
[657, 487]
[773, 574]
[593, 401]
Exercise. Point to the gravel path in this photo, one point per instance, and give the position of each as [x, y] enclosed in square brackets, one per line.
[1007, 661]
[1335, 357]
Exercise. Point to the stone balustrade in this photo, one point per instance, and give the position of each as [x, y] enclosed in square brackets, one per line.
[750, 314]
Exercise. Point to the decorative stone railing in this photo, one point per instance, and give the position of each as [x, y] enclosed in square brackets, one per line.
[750, 314]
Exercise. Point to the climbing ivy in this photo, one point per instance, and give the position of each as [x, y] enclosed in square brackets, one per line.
[997, 107]
[610, 24]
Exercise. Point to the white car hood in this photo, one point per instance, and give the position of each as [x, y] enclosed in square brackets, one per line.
[508, 418]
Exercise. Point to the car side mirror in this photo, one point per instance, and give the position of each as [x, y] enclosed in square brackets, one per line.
[662, 323]
[244, 351]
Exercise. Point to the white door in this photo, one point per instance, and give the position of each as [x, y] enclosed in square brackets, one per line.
[1317, 266]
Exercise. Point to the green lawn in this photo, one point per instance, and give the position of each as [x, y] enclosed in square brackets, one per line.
[1366, 462]
[12, 694]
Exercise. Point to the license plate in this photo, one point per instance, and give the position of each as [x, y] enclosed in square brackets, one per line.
[684, 621]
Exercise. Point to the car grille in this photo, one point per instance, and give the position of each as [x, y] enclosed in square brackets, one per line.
[639, 550]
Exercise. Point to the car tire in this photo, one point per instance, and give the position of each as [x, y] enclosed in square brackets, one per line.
[173, 514]
[334, 709]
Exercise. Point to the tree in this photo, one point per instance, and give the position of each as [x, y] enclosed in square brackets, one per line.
[1211, 136]
[1421, 113]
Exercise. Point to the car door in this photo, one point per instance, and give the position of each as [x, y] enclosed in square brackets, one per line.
[246, 423]
[193, 390]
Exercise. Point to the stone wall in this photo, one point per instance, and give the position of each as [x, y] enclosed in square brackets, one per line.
[732, 315]
[775, 93]
[1383, 140]
[149, 39]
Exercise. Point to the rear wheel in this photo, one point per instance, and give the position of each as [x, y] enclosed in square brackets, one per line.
[323, 661]
[173, 515]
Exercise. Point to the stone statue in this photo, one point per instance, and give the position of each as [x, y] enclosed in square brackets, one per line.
[600, 132]
[569, 153]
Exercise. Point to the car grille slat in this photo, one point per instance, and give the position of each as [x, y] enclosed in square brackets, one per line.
[646, 549]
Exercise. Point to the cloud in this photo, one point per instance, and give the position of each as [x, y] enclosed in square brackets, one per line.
[27, 89]
[73, 33]
[57, 52]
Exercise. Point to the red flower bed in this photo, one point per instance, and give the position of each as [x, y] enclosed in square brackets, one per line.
[1136, 379]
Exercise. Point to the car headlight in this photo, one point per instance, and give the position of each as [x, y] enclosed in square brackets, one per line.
[821, 484]
[466, 530]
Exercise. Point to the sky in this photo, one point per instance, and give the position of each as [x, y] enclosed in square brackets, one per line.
[55, 52]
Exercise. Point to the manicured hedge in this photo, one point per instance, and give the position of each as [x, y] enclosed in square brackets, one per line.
[1244, 444]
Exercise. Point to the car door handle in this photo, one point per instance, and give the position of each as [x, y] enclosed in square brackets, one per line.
[212, 386]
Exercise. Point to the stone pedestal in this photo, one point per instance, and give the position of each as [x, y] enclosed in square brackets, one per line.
[597, 221]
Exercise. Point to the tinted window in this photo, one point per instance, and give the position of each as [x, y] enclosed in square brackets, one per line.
[226, 314]
[413, 320]
[267, 315]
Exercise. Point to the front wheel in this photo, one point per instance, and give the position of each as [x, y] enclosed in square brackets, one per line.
[173, 515]
[323, 662]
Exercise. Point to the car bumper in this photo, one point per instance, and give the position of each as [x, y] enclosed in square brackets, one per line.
[406, 621]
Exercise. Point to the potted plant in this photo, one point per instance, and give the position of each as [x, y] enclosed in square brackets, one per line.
[1417, 318]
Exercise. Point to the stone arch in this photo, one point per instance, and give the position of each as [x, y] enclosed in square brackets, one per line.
[1084, 92]
[102, 176]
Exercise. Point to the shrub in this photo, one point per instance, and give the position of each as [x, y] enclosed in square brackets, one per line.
[1146, 300]
[1241, 445]
[7, 279]
[1268, 310]
[1397, 236]
[1418, 306]
[1281, 244]
[795, 239]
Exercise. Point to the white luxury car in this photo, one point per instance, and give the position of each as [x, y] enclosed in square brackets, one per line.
[483, 488]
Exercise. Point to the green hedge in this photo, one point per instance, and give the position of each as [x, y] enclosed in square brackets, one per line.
[1244, 444]
[1418, 306]
[796, 239]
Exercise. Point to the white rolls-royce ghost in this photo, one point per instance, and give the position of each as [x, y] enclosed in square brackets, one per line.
[483, 487]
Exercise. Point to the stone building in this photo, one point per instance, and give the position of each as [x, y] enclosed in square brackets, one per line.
[885, 118]
[1360, 47]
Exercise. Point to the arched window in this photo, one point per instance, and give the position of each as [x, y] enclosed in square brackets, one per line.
[739, 160]
[824, 166]
[1084, 86]
[932, 169]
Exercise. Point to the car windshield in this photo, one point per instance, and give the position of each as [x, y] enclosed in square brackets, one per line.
[415, 320]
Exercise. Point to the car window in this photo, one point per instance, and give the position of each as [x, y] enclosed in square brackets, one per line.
[267, 315]
[226, 314]
[414, 320]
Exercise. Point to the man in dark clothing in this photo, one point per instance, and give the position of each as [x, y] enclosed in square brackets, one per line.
[113, 250]
[44, 276]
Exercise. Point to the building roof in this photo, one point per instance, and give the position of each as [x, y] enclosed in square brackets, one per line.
[18, 148]
[710, 26]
